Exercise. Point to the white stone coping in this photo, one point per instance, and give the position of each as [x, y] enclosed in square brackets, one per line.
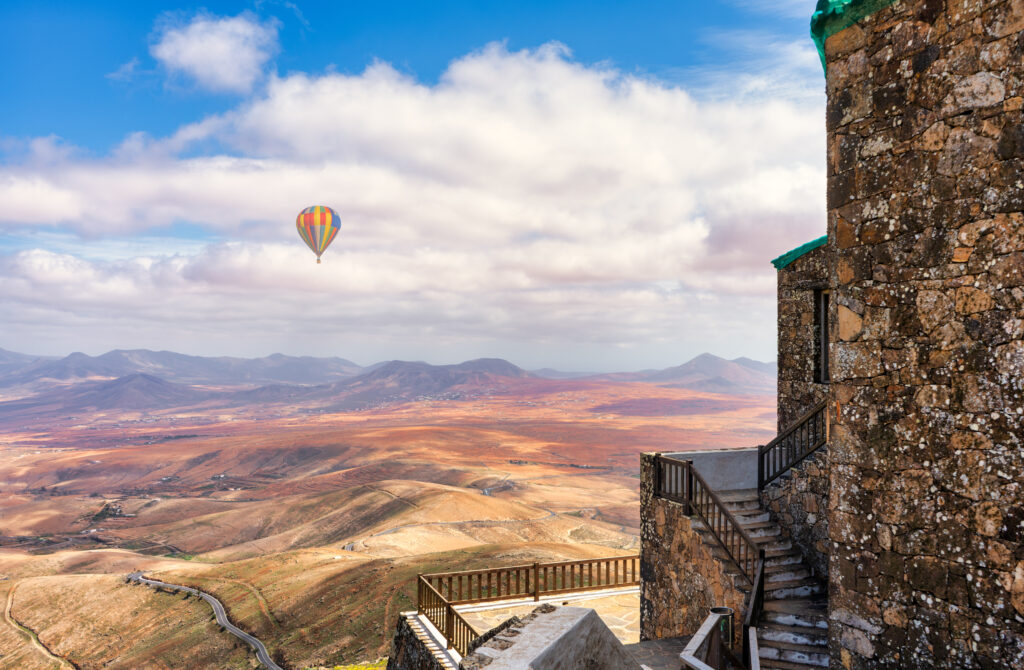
[432, 639]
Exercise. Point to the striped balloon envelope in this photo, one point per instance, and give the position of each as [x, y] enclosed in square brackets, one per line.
[317, 227]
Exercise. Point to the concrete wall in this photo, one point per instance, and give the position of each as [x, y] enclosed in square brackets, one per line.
[680, 578]
[925, 194]
[797, 390]
[798, 502]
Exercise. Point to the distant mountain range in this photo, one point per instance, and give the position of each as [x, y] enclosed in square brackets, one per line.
[148, 380]
[706, 372]
[17, 369]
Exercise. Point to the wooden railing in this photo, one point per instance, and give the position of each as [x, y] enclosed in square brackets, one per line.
[751, 615]
[710, 649]
[438, 594]
[536, 580]
[456, 630]
[679, 481]
[793, 445]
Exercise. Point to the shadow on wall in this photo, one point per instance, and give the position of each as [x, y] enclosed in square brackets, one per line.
[724, 469]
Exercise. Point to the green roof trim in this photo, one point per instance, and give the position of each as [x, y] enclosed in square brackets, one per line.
[793, 254]
[831, 16]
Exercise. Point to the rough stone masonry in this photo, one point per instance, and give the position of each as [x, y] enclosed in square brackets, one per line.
[925, 200]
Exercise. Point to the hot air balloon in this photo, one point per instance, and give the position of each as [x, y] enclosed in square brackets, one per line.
[317, 227]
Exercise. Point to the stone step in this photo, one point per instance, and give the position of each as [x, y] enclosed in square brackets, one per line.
[770, 542]
[793, 653]
[777, 632]
[739, 496]
[816, 619]
[757, 525]
[796, 588]
[775, 558]
[811, 606]
[756, 530]
[743, 506]
[754, 515]
[785, 573]
[782, 558]
[775, 664]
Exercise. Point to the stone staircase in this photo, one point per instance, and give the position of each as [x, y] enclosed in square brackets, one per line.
[792, 633]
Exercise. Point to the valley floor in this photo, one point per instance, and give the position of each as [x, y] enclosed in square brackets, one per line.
[311, 528]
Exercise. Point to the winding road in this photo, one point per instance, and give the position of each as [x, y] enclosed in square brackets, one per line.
[218, 611]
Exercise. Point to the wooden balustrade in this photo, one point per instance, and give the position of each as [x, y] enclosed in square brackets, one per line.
[792, 445]
[679, 481]
[456, 630]
[438, 594]
[536, 580]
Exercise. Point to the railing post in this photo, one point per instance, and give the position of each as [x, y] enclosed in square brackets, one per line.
[536, 582]
[760, 585]
[760, 468]
[659, 475]
[688, 478]
[714, 656]
[449, 624]
[419, 593]
[746, 644]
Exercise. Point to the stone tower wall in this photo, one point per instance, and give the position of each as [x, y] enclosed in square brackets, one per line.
[925, 193]
[797, 390]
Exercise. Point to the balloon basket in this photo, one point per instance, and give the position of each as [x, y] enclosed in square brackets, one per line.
[318, 261]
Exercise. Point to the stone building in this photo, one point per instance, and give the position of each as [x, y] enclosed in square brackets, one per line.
[904, 327]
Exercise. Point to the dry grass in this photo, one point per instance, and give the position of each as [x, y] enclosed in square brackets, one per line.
[97, 621]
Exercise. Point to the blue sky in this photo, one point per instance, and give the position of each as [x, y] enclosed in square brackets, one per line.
[566, 165]
[64, 52]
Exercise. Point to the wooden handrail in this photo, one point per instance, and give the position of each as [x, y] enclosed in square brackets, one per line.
[484, 571]
[537, 579]
[805, 436]
[458, 633]
[706, 650]
[680, 481]
[755, 605]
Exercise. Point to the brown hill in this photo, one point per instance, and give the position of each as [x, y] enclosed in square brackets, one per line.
[136, 391]
[709, 373]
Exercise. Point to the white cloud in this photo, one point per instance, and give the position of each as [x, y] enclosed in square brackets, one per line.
[525, 198]
[125, 72]
[219, 53]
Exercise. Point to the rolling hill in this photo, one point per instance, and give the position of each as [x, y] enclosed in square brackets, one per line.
[718, 375]
[399, 381]
[709, 373]
[131, 392]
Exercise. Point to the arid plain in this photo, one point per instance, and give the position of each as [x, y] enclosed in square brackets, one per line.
[309, 520]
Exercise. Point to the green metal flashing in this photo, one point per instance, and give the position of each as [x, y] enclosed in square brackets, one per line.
[831, 16]
[790, 256]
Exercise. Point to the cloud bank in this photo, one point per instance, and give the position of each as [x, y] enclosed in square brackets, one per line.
[525, 205]
[218, 53]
